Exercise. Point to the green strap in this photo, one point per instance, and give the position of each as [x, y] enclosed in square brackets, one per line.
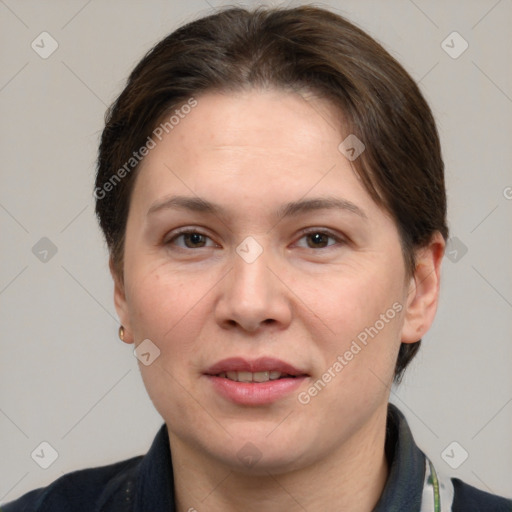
[435, 485]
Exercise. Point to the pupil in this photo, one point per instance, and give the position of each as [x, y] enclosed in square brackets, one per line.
[318, 238]
[194, 238]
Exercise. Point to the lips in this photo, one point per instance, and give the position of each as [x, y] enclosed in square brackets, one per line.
[256, 382]
[257, 370]
[254, 377]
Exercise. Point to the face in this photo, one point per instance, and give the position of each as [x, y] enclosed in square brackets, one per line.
[253, 252]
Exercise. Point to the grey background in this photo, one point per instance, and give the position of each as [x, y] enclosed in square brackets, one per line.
[65, 377]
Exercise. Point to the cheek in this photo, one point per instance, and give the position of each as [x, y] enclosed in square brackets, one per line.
[363, 310]
[355, 298]
[164, 307]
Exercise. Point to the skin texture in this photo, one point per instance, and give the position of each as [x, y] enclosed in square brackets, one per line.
[303, 300]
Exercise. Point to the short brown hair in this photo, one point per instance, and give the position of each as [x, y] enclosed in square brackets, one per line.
[302, 49]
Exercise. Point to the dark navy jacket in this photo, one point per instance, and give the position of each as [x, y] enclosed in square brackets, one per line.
[144, 483]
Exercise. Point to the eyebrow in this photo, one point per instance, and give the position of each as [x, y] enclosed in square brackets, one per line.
[291, 209]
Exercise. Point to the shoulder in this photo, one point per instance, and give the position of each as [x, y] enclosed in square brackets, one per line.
[91, 489]
[470, 499]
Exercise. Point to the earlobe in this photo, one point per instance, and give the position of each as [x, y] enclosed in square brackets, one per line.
[121, 304]
[423, 295]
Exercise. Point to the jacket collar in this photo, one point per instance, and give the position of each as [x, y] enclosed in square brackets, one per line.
[404, 486]
[155, 482]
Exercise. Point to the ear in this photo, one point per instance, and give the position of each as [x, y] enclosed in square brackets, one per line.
[120, 303]
[423, 294]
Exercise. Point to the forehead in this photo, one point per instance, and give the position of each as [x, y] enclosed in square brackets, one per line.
[268, 146]
[258, 114]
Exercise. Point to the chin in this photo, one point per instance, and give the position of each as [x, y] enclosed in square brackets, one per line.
[252, 461]
[258, 453]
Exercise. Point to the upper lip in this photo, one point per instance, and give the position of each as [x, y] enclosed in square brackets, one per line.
[262, 364]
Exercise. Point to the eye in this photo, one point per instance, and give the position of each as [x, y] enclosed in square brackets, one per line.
[318, 239]
[191, 239]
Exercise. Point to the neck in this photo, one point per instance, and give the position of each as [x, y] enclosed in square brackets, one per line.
[351, 479]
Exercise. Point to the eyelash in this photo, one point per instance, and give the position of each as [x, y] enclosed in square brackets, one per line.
[305, 233]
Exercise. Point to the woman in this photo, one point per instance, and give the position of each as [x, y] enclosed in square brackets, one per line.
[271, 189]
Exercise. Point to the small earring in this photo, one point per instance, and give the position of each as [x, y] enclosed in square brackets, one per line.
[121, 333]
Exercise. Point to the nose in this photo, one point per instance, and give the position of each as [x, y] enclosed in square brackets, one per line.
[254, 294]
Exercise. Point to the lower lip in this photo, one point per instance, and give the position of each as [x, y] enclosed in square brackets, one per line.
[255, 393]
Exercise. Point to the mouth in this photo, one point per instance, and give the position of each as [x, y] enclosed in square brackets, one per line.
[263, 376]
[254, 382]
[262, 369]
